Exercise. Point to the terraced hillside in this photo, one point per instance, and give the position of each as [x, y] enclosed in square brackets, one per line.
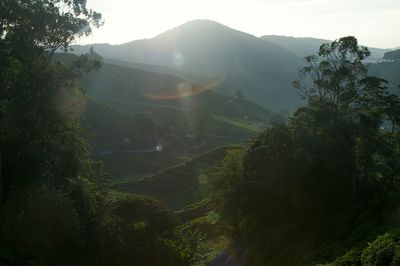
[183, 184]
[143, 122]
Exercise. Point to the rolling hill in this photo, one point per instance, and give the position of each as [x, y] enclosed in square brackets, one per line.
[180, 185]
[210, 52]
[389, 69]
[307, 46]
[206, 52]
[167, 97]
[131, 112]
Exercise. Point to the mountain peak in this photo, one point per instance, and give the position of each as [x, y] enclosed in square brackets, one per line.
[201, 28]
[201, 22]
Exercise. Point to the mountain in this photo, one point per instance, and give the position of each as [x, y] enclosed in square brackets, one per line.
[209, 52]
[393, 55]
[214, 55]
[307, 46]
[388, 69]
[298, 46]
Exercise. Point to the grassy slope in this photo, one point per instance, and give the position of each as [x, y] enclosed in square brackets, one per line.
[182, 184]
[114, 82]
[125, 90]
[138, 90]
[186, 188]
[115, 95]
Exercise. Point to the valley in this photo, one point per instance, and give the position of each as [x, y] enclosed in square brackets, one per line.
[162, 129]
[152, 139]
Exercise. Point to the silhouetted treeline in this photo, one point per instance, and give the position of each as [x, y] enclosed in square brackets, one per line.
[53, 211]
[328, 181]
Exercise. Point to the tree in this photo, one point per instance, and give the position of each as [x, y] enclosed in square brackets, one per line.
[143, 227]
[239, 95]
[226, 185]
[334, 75]
[42, 143]
[55, 212]
[37, 137]
[335, 83]
[304, 183]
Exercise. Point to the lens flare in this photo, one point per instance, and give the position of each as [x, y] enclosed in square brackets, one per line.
[178, 89]
[178, 59]
[184, 89]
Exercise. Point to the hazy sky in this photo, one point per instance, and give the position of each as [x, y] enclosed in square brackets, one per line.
[375, 23]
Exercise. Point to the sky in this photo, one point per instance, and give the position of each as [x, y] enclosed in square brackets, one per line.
[375, 23]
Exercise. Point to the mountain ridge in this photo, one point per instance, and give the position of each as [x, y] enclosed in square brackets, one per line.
[206, 51]
[209, 51]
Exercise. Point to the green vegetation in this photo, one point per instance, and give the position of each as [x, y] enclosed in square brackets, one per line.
[52, 209]
[118, 96]
[145, 228]
[384, 250]
[174, 183]
[180, 185]
[327, 182]
[123, 118]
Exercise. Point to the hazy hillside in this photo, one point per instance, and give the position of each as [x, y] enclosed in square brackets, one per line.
[389, 69]
[307, 46]
[393, 55]
[131, 111]
[299, 46]
[144, 88]
[209, 52]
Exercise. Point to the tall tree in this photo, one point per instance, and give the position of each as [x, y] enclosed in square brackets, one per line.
[43, 149]
[297, 183]
[35, 126]
[336, 83]
[334, 74]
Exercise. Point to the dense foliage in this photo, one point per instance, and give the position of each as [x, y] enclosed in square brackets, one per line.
[307, 191]
[140, 231]
[315, 190]
[52, 210]
[44, 154]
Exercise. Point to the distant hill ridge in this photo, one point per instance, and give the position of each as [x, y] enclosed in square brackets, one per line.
[205, 51]
[393, 55]
[209, 51]
[303, 46]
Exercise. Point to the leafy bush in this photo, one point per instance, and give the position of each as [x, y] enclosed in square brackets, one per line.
[385, 250]
[142, 231]
[351, 258]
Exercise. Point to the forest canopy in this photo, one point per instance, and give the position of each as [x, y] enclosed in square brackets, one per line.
[331, 172]
[53, 209]
[321, 187]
